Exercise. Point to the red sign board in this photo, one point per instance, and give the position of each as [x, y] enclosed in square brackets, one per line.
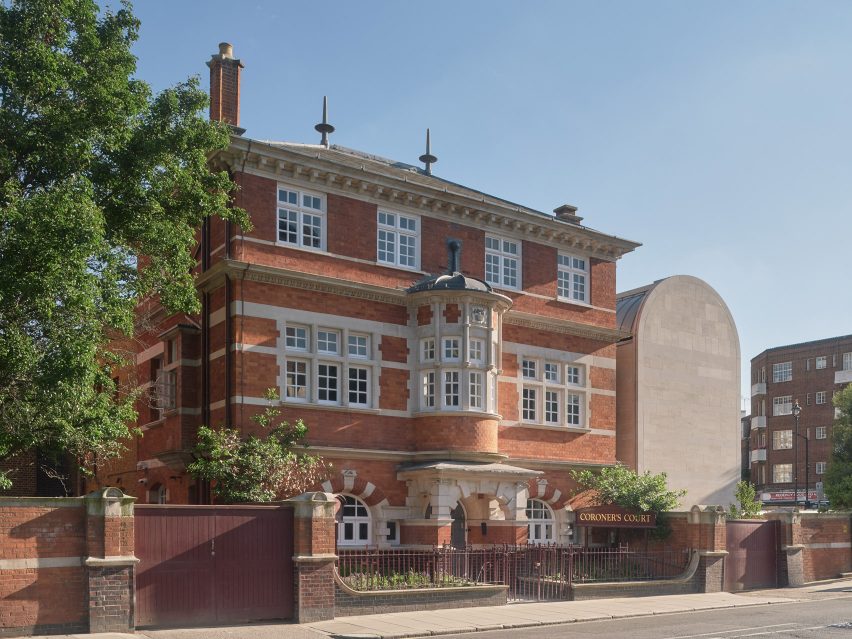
[614, 517]
[787, 495]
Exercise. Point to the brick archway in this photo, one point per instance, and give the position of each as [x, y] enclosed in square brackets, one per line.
[546, 492]
[347, 481]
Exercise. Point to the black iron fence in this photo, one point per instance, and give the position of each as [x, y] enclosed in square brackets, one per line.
[531, 572]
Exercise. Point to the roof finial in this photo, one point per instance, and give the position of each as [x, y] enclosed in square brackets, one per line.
[427, 158]
[324, 127]
[454, 256]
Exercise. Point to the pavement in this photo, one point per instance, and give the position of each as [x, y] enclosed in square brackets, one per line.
[520, 615]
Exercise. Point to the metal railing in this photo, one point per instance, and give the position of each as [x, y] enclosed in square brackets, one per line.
[537, 572]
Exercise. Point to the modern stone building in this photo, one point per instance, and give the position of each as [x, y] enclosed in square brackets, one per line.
[452, 353]
[808, 373]
[678, 387]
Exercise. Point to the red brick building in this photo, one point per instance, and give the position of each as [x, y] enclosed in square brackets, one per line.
[452, 353]
[808, 373]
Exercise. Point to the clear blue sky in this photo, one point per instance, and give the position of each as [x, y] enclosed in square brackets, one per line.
[718, 134]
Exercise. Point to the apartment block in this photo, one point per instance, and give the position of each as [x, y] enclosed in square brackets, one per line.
[808, 374]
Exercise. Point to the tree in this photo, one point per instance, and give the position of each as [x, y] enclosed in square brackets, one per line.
[257, 469]
[747, 506]
[102, 186]
[838, 477]
[621, 486]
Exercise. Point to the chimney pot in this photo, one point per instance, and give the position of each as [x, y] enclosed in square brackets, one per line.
[226, 50]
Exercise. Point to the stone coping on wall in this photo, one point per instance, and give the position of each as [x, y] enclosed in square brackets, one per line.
[356, 602]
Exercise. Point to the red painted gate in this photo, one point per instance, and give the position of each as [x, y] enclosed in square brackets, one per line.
[752, 559]
[213, 564]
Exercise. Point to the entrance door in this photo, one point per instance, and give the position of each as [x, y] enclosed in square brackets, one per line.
[752, 557]
[458, 532]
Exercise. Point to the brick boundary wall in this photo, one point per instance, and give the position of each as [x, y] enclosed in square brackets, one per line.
[66, 564]
[814, 546]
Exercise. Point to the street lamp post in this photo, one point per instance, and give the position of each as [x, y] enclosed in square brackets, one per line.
[797, 410]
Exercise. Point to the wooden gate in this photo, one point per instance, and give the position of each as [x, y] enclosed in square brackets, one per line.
[752, 560]
[213, 564]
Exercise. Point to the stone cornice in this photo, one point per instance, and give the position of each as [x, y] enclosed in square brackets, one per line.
[555, 325]
[365, 178]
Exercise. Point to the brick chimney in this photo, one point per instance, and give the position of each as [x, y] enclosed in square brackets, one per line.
[567, 213]
[225, 86]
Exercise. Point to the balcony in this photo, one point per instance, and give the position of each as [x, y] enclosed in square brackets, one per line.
[758, 389]
[842, 377]
[758, 421]
[758, 455]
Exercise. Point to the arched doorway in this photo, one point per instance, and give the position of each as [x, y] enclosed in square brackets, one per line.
[458, 531]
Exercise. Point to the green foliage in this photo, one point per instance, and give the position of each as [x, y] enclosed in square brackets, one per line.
[102, 186]
[838, 477]
[257, 469]
[621, 486]
[747, 506]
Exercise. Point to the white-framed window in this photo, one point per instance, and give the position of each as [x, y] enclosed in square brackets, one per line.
[528, 404]
[782, 405]
[427, 349]
[428, 389]
[782, 439]
[296, 381]
[847, 361]
[502, 262]
[158, 494]
[452, 350]
[451, 389]
[821, 467]
[574, 375]
[573, 278]
[808, 399]
[820, 362]
[359, 386]
[397, 239]
[477, 349]
[301, 218]
[782, 473]
[820, 432]
[328, 342]
[782, 372]
[475, 389]
[553, 393]
[327, 366]
[821, 397]
[551, 407]
[359, 346]
[574, 409]
[540, 523]
[328, 383]
[551, 372]
[353, 522]
[296, 338]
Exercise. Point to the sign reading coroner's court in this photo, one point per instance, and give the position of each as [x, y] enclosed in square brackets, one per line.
[614, 517]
